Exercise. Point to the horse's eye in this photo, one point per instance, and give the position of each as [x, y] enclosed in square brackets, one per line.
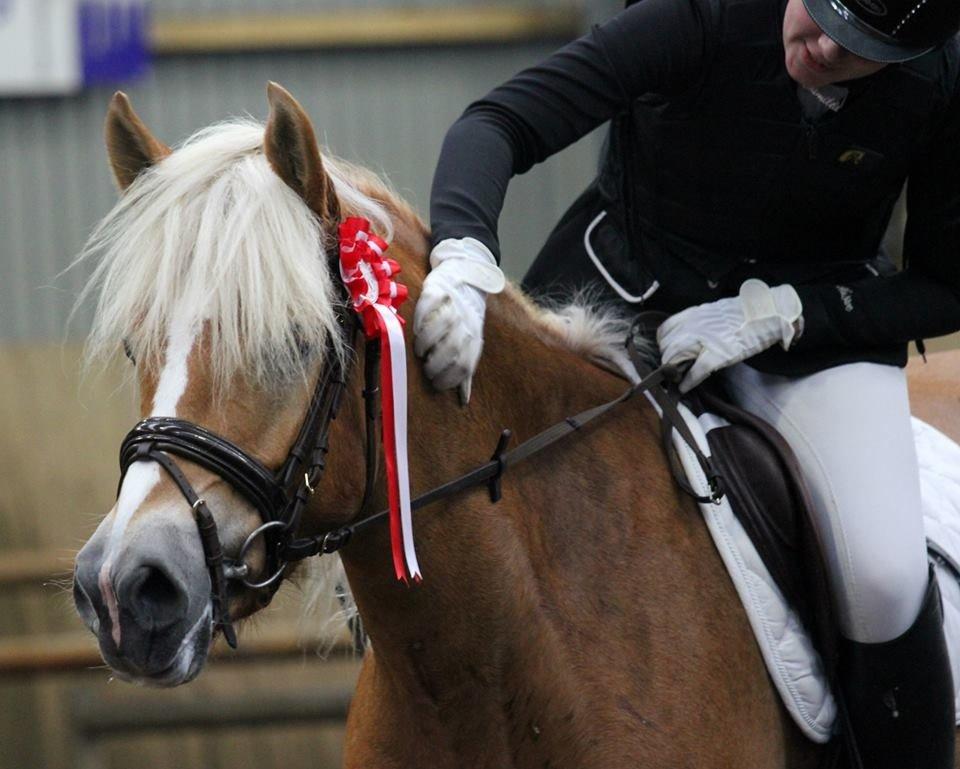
[128, 351]
[303, 346]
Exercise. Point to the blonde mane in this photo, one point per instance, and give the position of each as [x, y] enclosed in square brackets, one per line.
[211, 234]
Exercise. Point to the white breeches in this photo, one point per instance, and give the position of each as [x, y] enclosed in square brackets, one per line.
[850, 429]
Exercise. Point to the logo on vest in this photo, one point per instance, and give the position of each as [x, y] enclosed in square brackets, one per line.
[852, 157]
[846, 296]
[876, 7]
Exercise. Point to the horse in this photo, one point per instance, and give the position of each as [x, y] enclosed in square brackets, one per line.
[933, 391]
[585, 620]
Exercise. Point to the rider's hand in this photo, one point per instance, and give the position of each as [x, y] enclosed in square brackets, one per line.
[718, 334]
[448, 319]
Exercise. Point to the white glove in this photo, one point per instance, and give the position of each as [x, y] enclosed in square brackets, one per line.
[448, 319]
[718, 334]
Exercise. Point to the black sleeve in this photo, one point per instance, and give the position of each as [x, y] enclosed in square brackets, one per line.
[921, 302]
[655, 46]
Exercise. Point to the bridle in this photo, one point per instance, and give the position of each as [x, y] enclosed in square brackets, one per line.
[280, 497]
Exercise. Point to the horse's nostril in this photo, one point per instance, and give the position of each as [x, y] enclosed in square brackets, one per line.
[158, 590]
[153, 597]
[84, 605]
[79, 597]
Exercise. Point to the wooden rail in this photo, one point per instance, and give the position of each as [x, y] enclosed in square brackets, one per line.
[68, 652]
[74, 652]
[96, 719]
[366, 28]
[33, 568]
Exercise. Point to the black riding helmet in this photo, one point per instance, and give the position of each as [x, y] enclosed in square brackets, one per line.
[887, 30]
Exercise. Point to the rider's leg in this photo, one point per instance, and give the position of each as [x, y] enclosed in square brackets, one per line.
[850, 429]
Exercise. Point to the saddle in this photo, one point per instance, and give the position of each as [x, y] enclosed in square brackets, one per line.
[767, 492]
[761, 522]
[758, 511]
[756, 470]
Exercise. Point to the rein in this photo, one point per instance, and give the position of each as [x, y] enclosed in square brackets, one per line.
[491, 472]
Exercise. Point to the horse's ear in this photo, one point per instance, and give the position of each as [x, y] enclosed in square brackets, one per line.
[130, 145]
[291, 147]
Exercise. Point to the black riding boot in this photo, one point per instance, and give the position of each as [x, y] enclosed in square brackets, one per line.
[899, 695]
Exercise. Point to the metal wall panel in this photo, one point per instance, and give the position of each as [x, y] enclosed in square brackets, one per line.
[387, 110]
[204, 7]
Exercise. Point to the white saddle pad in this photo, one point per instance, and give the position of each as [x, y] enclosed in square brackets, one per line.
[940, 486]
[793, 663]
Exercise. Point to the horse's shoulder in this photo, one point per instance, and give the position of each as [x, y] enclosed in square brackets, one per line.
[935, 391]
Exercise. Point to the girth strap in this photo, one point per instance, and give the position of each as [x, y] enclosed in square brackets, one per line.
[671, 420]
[371, 402]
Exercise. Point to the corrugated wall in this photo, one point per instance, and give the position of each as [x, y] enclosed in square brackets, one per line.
[388, 110]
[202, 7]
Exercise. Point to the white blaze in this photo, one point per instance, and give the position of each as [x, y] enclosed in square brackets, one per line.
[143, 476]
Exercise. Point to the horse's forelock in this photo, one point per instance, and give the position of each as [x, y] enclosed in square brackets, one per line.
[212, 232]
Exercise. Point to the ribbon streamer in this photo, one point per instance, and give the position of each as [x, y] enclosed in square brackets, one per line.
[367, 273]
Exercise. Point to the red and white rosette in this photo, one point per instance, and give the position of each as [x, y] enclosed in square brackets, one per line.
[368, 275]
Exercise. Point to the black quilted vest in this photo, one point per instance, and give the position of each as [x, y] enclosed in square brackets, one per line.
[731, 171]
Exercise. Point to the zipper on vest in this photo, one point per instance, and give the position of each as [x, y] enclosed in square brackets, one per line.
[812, 139]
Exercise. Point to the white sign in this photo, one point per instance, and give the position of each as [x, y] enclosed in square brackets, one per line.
[39, 47]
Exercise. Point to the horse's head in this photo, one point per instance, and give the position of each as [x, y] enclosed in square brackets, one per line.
[215, 276]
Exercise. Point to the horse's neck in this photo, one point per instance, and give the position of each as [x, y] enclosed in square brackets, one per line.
[476, 609]
[555, 624]
[523, 384]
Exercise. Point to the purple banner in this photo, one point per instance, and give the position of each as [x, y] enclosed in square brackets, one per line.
[113, 40]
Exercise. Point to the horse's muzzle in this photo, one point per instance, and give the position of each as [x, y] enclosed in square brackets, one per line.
[151, 614]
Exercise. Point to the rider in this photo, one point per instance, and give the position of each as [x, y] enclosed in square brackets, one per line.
[757, 143]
